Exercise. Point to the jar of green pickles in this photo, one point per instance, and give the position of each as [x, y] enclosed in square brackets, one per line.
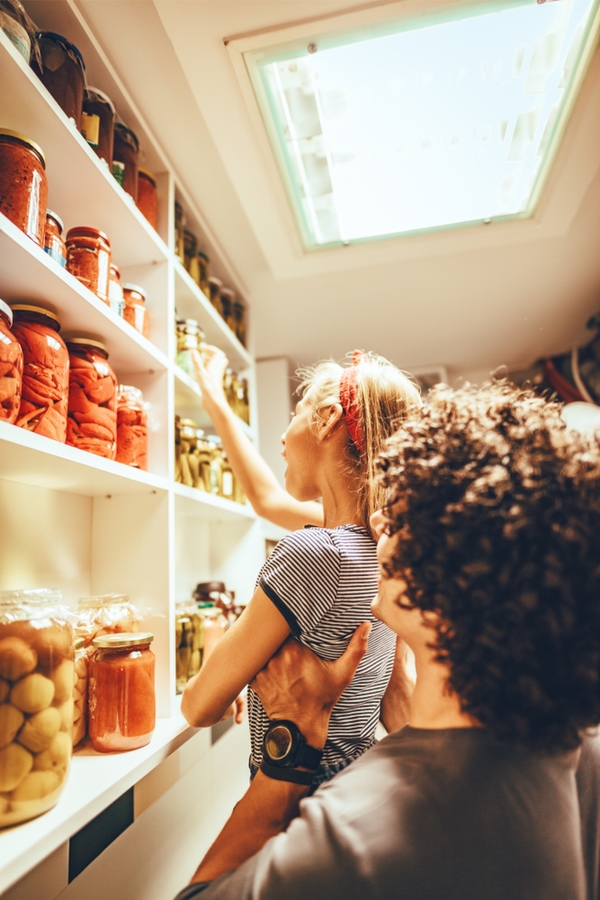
[189, 641]
[189, 337]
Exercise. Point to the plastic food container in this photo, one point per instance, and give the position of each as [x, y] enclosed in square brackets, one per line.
[80, 692]
[98, 122]
[121, 693]
[44, 399]
[23, 183]
[134, 310]
[147, 197]
[132, 427]
[105, 614]
[11, 368]
[115, 291]
[36, 715]
[92, 423]
[62, 72]
[88, 259]
[126, 151]
[54, 244]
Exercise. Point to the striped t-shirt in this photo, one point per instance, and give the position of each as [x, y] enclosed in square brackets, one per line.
[322, 581]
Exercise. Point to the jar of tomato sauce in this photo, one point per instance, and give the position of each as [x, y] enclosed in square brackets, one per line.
[92, 423]
[132, 427]
[88, 259]
[62, 72]
[147, 197]
[98, 122]
[126, 151]
[23, 183]
[121, 694]
[11, 368]
[134, 310]
[54, 244]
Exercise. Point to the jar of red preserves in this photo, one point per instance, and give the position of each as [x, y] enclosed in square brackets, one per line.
[88, 259]
[115, 291]
[23, 183]
[44, 399]
[134, 311]
[98, 123]
[126, 151]
[11, 367]
[147, 197]
[62, 72]
[132, 427]
[54, 245]
[121, 694]
[92, 423]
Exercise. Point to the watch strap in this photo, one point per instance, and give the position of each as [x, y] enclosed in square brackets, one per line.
[308, 757]
[286, 774]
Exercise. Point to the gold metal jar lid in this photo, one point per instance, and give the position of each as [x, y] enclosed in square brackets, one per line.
[7, 311]
[23, 139]
[126, 639]
[40, 310]
[147, 175]
[87, 342]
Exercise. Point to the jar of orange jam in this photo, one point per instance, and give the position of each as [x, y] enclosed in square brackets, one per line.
[121, 694]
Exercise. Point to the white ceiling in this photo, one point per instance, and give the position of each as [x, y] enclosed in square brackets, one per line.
[470, 299]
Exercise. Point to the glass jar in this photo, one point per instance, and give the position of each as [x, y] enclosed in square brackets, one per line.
[16, 25]
[88, 259]
[23, 184]
[134, 311]
[243, 405]
[239, 321]
[216, 464]
[36, 715]
[98, 123]
[105, 614]
[54, 244]
[11, 368]
[190, 252]
[121, 693]
[179, 229]
[215, 626]
[204, 455]
[147, 197]
[80, 692]
[189, 337]
[115, 291]
[44, 398]
[189, 466]
[203, 273]
[189, 640]
[227, 298]
[126, 151]
[92, 423]
[211, 593]
[230, 386]
[214, 289]
[62, 72]
[132, 427]
[227, 480]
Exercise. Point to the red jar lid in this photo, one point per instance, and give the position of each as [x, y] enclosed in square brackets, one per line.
[84, 231]
[7, 311]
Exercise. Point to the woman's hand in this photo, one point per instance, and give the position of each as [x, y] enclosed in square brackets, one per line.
[209, 374]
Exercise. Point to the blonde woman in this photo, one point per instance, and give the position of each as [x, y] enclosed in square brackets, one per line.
[319, 582]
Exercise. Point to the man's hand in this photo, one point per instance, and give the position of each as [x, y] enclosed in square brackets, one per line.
[298, 685]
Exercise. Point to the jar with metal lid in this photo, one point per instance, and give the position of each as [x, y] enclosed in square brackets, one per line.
[121, 693]
[105, 614]
[227, 298]
[179, 229]
[227, 479]
[216, 464]
[189, 640]
[203, 273]
[11, 367]
[115, 291]
[88, 259]
[239, 321]
[214, 287]
[54, 244]
[230, 386]
[23, 184]
[211, 592]
[126, 151]
[147, 197]
[80, 692]
[134, 311]
[243, 405]
[132, 427]
[215, 626]
[188, 462]
[92, 423]
[190, 245]
[36, 715]
[61, 70]
[98, 123]
[44, 398]
[17, 26]
[189, 337]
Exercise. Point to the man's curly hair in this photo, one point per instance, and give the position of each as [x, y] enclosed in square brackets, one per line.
[498, 510]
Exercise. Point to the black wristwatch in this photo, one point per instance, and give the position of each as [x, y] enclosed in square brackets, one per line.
[285, 749]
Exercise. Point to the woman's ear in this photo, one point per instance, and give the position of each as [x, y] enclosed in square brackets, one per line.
[329, 418]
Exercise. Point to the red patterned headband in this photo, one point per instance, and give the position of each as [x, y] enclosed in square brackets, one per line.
[349, 400]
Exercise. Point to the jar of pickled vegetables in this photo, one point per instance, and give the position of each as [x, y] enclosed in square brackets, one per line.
[44, 398]
[132, 427]
[239, 321]
[80, 692]
[54, 244]
[88, 259]
[189, 640]
[216, 464]
[147, 197]
[179, 229]
[115, 291]
[215, 286]
[98, 123]
[23, 184]
[11, 368]
[105, 614]
[134, 310]
[126, 151]
[203, 273]
[121, 693]
[189, 337]
[227, 298]
[92, 423]
[215, 626]
[36, 693]
[62, 72]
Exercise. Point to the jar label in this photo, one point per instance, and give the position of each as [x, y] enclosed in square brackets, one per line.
[54, 254]
[227, 484]
[118, 170]
[90, 129]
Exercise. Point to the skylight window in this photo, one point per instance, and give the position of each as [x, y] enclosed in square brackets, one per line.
[432, 124]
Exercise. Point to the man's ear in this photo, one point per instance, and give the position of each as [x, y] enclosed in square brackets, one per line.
[329, 418]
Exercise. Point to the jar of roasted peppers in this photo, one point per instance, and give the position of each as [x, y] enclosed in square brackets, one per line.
[121, 693]
[23, 184]
[11, 368]
[92, 423]
[132, 427]
[54, 244]
[62, 72]
[134, 310]
[44, 400]
[147, 197]
[98, 123]
[126, 151]
[88, 259]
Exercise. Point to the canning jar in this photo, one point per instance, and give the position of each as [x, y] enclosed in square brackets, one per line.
[243, 404]
[227, 298]
[239, 321]
[115, 291]
[121, 694]
[11, 367]
[189, 640]
[214, 288]
[44, 398]
[80, 692]
[126, 151]
[132, 427]
[215, 626]
[98, 123]
[23, 184]
[17, 26]
[92, 423]
[36, 715]
[189, 337]
[54, 245]
[178, 237]
[190, 245]
[134, 311]
[147, 197]
[230, 386]
[203, 273]
[88, 259]
[62, 72]
[189, 468]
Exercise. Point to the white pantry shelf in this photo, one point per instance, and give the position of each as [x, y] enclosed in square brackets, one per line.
[195, 504]
[188, 402]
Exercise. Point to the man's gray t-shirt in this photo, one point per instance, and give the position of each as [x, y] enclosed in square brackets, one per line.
[446, 814]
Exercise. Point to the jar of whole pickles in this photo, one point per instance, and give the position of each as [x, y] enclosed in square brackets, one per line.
[147, 197]
[203, 273]
[239, 321]
[227, 298]
[62, 72]
[105, 614]
[88, 259]
[23, 184]
[80, 691]
[44, 398]
[54, 244]
[132, 427]
[36, 711]
[126, 151]
[189, 337]
[121, 693]
[11, 367]
[98, 123]
[215, 286]
[115, 291]
[134, 310]
[189, 640]
[179, 229]
[92, 423]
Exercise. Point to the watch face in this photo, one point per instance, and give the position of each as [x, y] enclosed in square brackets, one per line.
[278, 742]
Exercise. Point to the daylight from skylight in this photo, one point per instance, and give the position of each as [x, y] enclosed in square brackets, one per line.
[435, 125]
